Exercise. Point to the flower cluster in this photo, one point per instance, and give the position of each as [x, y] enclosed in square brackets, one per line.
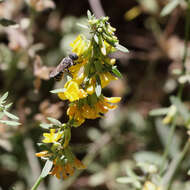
[92, 71]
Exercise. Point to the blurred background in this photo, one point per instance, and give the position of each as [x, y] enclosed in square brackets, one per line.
[125, 135]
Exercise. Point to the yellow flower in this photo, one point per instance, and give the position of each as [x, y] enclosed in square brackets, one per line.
[79, 45]
[72, 92]
[170, 115]
[42, 154]
[109, 48]
[77, 72]
[66, 170]
[58, 171]
[79, 114]
[74, 113]
[112, 99]
[52, 136]
[106, 78]
[78, 164]
[150, 186]
[91, 87]
[90, 112]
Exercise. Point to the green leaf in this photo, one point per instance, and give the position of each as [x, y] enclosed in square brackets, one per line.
[58, 90]
[92, 99]
[8, 105]
[129, 180]
[89, 15]
[82, 26]
[121, 48]
[181, 108]
[10, 115]
[46, 126]
[116, 72]
[148, 156]
[54, 121]
[169, 7]
[159, 111]
[47, 168]
[11, 123]
[87, 69]
[98, 88]
[6, 22]
[4, 97]
[98, 66]
[96, 39]
[163, 133]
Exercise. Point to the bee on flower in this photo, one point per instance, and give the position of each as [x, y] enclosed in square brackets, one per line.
[92, 71]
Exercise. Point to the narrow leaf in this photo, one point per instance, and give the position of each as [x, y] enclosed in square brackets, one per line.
[169, 7]
[164, 133]
[121, 48]
[8, 105]
[46, 126]
[4, 97]
[11, 123]
[89, 15]
[96, 39]
[54, 121]
[10, 115]
[58, 90]
[116, 72]
[181, 108]
[98, 88]
[47, 168]
[159, 111]
[82, 26]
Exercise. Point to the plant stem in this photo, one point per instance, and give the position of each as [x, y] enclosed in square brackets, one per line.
[181, 87]
[38, 181]
[187, 32]
[168, 177]
[166, 151]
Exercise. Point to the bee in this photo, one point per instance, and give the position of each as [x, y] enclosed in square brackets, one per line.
[64, 66]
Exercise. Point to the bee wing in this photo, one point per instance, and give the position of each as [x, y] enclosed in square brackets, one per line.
[57, 70]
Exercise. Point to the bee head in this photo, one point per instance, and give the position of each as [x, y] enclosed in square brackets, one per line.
[73, 56]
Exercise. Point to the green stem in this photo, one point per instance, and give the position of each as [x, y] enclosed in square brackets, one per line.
[38, 181]
[168, 177]
[165, 155]
[181, 87]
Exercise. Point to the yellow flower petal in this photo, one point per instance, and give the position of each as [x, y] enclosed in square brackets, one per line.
[112, 99]
[72, 92]
[79, 45]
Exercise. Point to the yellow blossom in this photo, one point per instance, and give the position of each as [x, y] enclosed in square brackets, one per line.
[109, 48]
[150, 186]
[170, 115]
[72, 92]
[42, 153]
[77, 72]
[106, 78]
[79, 114]
[52, 136]
[66, 170]
[112, 99]
[75, 113]
[78, 164]
[79, 45]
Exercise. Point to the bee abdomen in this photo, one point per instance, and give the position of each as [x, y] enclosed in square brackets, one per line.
[59, 76]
